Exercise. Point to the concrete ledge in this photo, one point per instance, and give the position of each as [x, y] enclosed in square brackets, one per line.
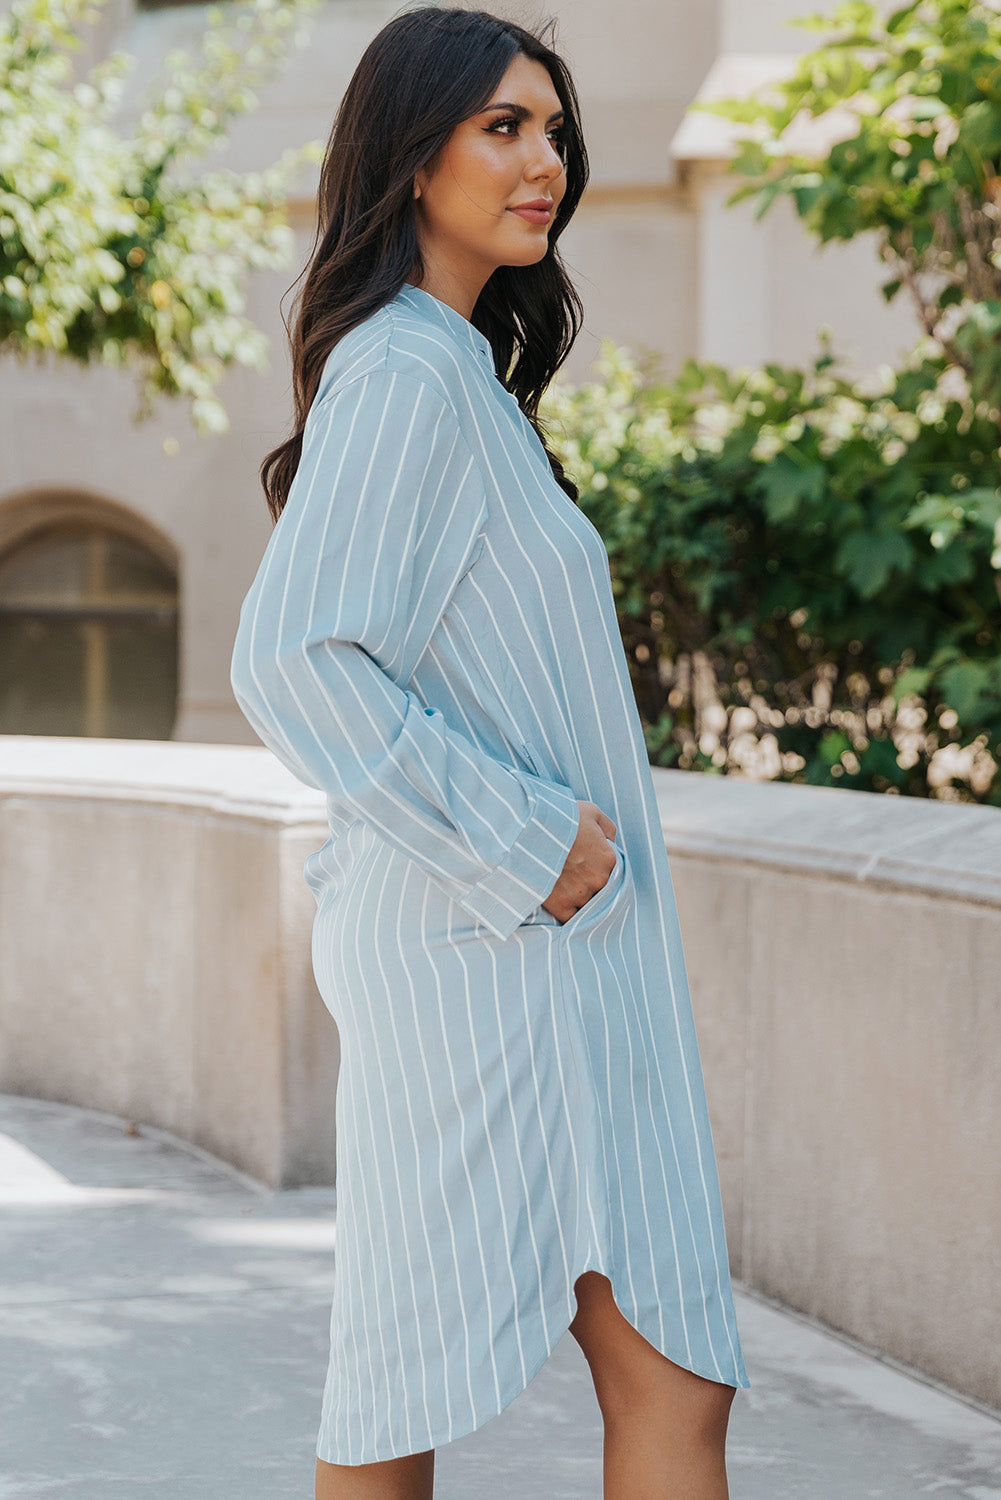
[154, 945]
[903, 843]
[241, 781]
[844, 958]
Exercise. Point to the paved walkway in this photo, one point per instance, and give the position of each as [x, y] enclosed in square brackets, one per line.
[163, 1324]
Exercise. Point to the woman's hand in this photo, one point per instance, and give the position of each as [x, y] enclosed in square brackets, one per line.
[588, 865]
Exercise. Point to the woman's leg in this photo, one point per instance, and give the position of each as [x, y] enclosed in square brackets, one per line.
[408, 1478]
[665, 1427]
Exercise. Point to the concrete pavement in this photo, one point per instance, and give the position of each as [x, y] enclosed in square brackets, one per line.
[163, 1325]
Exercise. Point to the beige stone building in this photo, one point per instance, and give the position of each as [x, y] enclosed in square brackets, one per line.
[125, 549]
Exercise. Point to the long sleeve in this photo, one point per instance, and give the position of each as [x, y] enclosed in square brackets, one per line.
[383, 518]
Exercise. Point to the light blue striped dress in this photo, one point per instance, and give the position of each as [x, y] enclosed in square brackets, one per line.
[431, 640]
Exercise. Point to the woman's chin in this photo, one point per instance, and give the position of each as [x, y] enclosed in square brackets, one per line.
[527, 255]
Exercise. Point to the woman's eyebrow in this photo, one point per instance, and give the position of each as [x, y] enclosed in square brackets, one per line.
[523, 113]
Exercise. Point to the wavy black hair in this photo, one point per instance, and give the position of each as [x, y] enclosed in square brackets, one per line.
[424, 73]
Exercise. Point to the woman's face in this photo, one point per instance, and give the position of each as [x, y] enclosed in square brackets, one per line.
[505, 156]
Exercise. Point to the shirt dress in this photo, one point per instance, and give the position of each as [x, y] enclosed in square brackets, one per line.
[431, 640]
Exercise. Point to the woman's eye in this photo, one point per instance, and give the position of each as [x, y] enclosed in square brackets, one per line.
[556, 134]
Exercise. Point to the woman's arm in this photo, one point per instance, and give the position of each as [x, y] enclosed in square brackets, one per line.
[380, 524]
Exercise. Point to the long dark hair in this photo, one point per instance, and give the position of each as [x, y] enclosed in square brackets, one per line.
[425, 72]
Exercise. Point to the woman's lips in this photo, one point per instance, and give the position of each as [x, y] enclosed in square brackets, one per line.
[533, 215]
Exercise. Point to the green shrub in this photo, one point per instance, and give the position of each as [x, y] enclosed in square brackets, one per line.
[806, 572]
[914, 93]
[112, 248]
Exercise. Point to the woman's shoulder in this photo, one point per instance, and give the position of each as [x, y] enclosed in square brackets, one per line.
[395, 342]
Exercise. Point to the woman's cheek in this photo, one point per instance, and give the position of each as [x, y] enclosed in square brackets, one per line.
[491, 167]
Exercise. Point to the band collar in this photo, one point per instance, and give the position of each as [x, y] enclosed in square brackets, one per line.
[439, 312]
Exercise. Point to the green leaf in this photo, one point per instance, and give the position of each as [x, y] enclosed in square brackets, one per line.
[911, 680]
[879, 761]
[833, 746]
[786, 485]
[868, 559]
[899, 19]
[969, 687]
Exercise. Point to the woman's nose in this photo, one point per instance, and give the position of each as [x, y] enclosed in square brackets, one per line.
[547, 162]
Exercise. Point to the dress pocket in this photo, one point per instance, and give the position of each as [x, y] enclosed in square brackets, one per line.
[474, 557]
[531, 755]
[602, 902]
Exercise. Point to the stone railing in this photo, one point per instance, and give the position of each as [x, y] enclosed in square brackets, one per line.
[844, 958]
[154, 945]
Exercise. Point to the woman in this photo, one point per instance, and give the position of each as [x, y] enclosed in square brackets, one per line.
[523, 1143]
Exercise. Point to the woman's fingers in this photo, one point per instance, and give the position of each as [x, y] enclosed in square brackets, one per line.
[588, 865]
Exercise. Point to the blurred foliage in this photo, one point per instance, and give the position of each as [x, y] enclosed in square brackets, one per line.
[806, 572]
[109, 248]
[916, 96]
[808, 568]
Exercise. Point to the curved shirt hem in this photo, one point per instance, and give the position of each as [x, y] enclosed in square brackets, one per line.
[556, 1325]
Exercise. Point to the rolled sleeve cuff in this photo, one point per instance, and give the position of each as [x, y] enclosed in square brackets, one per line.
[523, 879]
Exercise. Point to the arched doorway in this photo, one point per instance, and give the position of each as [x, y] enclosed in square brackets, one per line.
[88, 633]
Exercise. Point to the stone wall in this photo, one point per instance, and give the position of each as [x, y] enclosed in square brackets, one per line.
[844, 956]
[154, 945]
